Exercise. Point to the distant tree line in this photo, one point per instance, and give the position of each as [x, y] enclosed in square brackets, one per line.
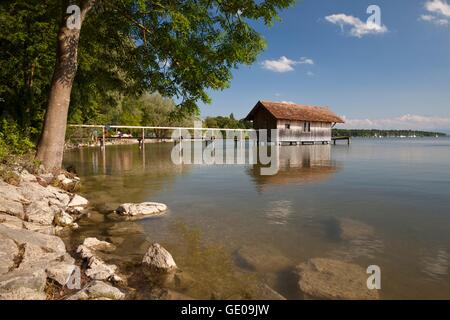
[370, 133]
[226, 122]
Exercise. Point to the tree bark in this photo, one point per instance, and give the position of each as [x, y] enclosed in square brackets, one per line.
[51, 144]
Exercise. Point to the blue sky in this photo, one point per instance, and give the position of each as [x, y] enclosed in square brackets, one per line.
[397, 76]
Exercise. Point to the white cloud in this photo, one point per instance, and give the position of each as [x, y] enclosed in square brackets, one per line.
[438, 12]
[310, 74]
[305, 60]
[358, 28]
[281, 65]
[438, 6]
[413, 122]
[284, 64]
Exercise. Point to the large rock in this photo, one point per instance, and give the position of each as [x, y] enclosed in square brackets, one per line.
[35, 192]
[141, 209]
[36, 257]
[98, 290]
[60, 272]
[99, 270]
[263, 259]
[332, 279]
[159, 259]
[30, 279]
[95, 244]
[11, 221]
[78, 201]
[41, 212]
[11, 201]
[22, 294]
[8, 252]
[48, 242]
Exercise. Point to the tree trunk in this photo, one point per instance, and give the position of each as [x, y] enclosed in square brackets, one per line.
[51, 144]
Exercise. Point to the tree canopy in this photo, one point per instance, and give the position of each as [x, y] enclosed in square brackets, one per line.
[125, 48]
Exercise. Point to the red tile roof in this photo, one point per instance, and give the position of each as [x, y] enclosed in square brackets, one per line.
[291, 111]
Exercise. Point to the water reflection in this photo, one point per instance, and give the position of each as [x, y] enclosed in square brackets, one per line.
[436, 264]
[279, 211]
[297, 165]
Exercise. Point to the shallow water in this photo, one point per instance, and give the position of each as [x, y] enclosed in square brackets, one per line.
[397, 191]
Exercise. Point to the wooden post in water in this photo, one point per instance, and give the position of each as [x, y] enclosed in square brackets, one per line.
[143, 137]
[103, 137]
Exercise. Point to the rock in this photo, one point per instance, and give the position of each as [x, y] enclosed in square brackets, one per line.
[119, 280]
[263, 259]
[60, 177]
[264, 292]
[63, 219]
[125, 229]
[11, 221]
[47, 177]
[22, 294]
[95, 244]
[60, 272]
[11, 200]
[48, 242]
[99, 270]
[351, 229]
[8, 252]
[41, 212]
[78, 201]
[141, 209]
[35, 257]
[332, 279]
[159, 259]
[50, 229]
[30, 279]
[173, 295]
[98, 290]
[85, 252]
[26, 176]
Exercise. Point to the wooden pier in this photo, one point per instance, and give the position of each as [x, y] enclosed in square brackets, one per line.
[334, 139]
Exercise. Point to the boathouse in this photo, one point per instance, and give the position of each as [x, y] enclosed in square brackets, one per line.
[295, 123]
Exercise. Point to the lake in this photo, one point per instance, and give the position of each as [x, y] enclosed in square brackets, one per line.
[382, 202]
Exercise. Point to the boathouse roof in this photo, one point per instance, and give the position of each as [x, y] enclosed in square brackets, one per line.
[292, 111]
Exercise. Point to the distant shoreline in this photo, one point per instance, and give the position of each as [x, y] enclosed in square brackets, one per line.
[376, 133]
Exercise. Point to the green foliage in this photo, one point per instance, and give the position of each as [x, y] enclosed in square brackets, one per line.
[13, 140]
[180, 49]
[371, 133]
[226, 122]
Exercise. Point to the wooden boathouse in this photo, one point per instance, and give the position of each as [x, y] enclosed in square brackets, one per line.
[296, 124]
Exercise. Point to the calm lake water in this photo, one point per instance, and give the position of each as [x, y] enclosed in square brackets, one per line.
[396, 191]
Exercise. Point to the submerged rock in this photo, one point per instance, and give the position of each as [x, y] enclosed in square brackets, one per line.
[263, 259]
[352, 229]
[95, 244]
[141, 209]
[332, 279]
[98, 290]
[158, 259]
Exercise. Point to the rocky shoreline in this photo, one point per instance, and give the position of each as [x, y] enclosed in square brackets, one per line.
[38, 211]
